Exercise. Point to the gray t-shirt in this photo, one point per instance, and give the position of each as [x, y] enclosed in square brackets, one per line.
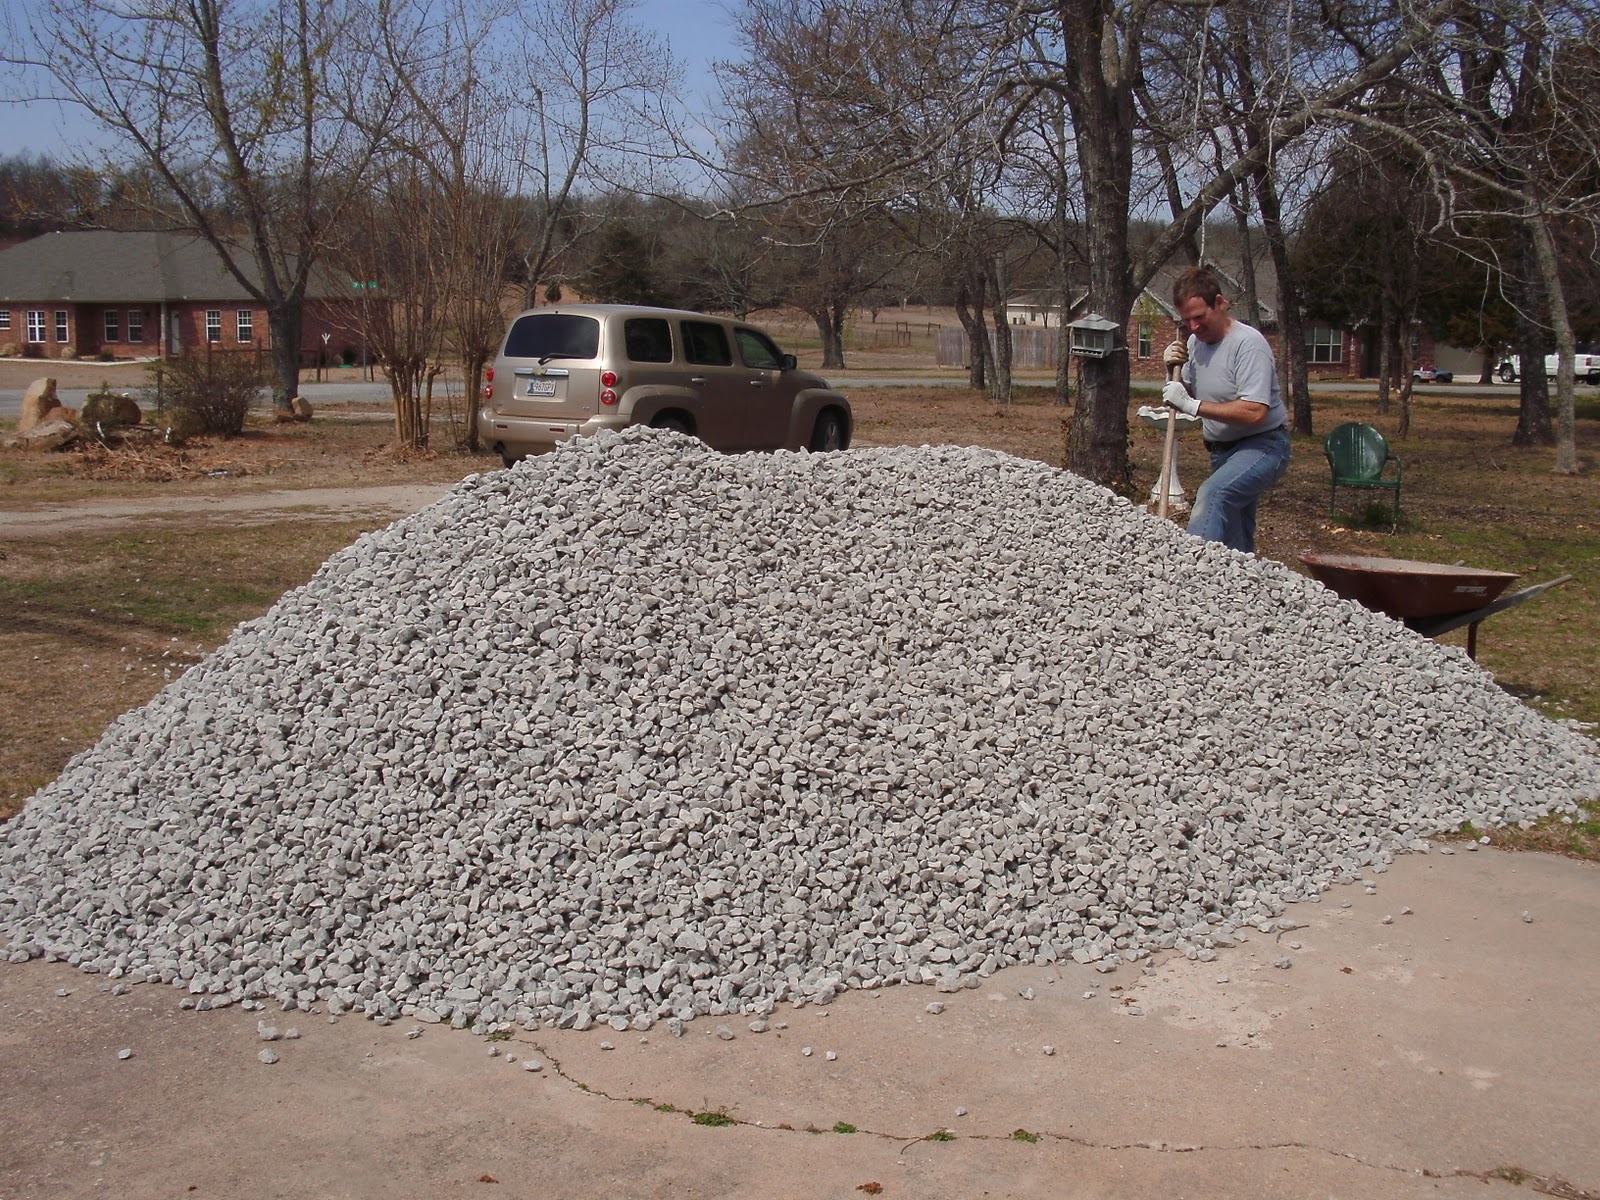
[1239, 367]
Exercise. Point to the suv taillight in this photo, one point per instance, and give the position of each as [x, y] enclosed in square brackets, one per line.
[488, 383]
[608, 381]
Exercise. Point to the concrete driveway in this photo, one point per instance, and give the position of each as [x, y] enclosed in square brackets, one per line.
[1427, 1039]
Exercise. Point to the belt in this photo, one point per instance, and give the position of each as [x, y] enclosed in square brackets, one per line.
[1213, 447]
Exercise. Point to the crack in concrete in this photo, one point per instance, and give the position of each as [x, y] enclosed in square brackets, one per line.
[1547, 1185]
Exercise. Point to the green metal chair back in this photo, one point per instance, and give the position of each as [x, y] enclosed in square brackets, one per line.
[1358, 455]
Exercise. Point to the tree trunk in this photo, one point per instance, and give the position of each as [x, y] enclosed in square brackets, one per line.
[405, 384]
[285, 324]
[1250, 301]
[830, 328]
[473, 369]
[1291, 328]
[1566, 434]
[972, 322]
[1528, 299]
[1099, 95]
[1486, 365]
[1407, 365]
[1001, 384]
[1386, 346]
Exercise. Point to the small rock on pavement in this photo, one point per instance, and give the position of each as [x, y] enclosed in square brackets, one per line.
[1527, 918]
[267, 1033]
[124, 1054]
[530, 1065]
[805, 1051]
[935, 1007]
[832, 1056]
[1049, 1051]
[724, 1033]
[1283, 964]
[268, 1057]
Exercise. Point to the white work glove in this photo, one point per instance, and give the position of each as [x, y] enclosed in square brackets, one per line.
[1175, 395]
[1175, 355]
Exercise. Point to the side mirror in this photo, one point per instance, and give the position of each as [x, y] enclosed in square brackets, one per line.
[788, 362]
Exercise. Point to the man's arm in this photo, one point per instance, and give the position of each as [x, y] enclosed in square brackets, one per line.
[1234, 412]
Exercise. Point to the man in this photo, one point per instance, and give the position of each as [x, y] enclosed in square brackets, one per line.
[1229, 381]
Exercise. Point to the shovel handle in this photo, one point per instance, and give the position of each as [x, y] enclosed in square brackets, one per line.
[1166, 449]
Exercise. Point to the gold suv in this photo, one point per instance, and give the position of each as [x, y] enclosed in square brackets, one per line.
[576, 369]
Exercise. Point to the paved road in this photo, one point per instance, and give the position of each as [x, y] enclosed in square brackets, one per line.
[378, 393]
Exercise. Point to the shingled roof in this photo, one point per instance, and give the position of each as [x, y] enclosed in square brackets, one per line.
[105, 266]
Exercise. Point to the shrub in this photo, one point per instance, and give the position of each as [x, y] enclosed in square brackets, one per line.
[206, 393]
[32, 350]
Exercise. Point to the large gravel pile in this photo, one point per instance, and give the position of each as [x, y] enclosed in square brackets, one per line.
[639, 731]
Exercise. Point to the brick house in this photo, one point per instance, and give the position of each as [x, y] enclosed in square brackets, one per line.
[141, 295]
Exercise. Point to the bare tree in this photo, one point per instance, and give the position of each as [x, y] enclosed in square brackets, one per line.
[1504, 119]
[595, 109]
[399, 236]
[863, 80]
[457, 129]
[252, 112]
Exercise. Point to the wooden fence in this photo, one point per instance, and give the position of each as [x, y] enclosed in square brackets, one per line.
[1031, 349]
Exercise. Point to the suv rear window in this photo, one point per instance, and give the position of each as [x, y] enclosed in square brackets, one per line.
[553, 335]
[706, 344]
[649, 339]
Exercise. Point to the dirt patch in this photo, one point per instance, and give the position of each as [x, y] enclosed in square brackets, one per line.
[268, 456]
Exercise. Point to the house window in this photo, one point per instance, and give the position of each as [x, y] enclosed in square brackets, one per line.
[61, 324]
[1144, 339]
[36, 324]
[213, 324]
[136, 325]
[1324, 345]
[5, 318]
[244, 324]
[113, 326]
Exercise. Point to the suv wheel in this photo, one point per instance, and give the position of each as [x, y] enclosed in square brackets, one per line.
[1507, 375]
[673, 421]
[830, 432]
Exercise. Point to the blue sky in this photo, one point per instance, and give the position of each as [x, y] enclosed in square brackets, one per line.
[699, 32]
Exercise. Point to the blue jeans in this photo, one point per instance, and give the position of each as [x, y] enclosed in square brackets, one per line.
[1225, 505]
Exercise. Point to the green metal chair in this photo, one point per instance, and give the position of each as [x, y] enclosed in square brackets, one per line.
[1358, 457]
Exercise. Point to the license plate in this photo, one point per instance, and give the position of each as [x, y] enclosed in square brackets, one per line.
[541, 387]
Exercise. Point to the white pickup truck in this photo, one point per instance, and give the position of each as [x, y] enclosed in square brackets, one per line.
[1585, 366]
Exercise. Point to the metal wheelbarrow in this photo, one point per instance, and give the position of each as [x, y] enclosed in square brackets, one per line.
[1430, 598]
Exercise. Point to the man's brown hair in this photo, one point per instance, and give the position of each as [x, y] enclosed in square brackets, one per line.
[1197, 281]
